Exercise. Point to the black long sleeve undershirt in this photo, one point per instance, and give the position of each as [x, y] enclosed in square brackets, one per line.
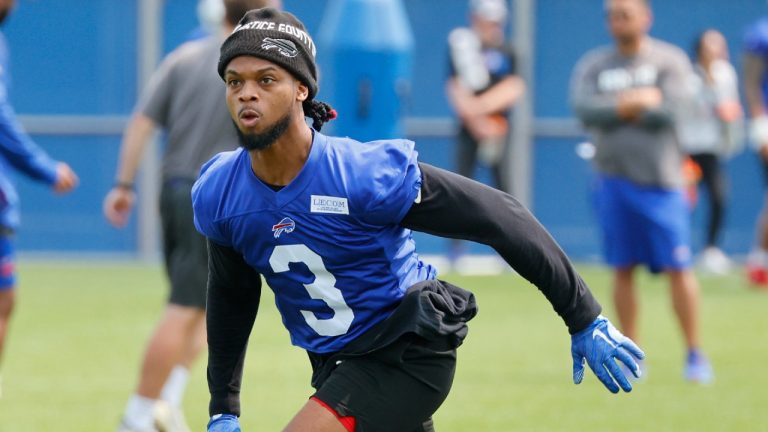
[234, 291]
[450, 206]
[457, 207]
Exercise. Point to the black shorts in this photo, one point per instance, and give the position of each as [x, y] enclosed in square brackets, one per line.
[397, 388]
[396, 375]
[184, 249]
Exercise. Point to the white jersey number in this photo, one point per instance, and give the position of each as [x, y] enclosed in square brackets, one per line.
[323, 288]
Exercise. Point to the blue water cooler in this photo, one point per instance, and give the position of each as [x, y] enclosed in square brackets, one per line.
[365, 50]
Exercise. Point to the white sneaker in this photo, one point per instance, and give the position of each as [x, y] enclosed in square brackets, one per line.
[169, 419]
[125, 427]
[713, 260]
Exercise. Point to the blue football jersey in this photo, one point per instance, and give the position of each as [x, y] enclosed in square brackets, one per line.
[756, 43]
[16, 150]
[329, 243]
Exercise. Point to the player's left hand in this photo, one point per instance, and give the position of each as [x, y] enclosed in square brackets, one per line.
[599, 344]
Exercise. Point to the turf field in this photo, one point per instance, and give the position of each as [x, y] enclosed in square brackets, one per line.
[78, 336]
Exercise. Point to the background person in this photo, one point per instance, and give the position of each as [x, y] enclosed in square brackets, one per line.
[755, 75]
[18, 152]
[185, 98]
[482, 87]
[710, 131]
[628, 96]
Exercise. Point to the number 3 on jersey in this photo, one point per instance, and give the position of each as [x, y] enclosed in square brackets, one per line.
[323, 288]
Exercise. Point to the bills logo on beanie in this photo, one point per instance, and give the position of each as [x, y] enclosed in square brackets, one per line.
[283, 46]
[275, 36]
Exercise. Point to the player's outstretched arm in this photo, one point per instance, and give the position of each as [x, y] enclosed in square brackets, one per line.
[234, 290]
[600, 345]
[457, 207]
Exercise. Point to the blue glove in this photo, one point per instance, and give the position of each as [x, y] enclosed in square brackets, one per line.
[223, 423]
[599, 344]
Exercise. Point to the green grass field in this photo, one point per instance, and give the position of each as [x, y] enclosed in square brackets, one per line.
[78, 336]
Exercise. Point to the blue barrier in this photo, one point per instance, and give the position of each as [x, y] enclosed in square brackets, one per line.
[365, 62]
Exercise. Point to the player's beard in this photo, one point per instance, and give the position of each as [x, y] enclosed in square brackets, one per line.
[261, 141]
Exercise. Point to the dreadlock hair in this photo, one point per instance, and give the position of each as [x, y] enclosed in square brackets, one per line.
[319, 112]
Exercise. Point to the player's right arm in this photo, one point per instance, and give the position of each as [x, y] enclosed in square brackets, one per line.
[234, 290]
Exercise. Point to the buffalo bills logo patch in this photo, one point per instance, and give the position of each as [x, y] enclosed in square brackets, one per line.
[287, 225]
[283, 46]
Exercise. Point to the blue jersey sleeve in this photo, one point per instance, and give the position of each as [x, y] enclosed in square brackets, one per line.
[19, 149]
[396, 180]
[206, 197]
[756, 38]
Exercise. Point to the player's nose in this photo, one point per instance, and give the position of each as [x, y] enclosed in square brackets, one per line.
[249, 91]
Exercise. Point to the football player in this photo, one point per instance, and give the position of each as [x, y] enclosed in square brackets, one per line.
[327, 222]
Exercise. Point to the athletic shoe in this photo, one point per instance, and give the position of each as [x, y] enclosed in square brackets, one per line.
[169, 419]
[125, 427]
[713, 260]
[697, 368]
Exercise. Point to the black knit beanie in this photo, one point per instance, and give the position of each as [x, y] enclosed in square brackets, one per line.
[275, 36]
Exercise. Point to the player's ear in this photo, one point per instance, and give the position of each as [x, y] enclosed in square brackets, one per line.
[302, 91]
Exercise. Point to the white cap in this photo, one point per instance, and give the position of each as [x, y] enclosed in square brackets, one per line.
[210, 13]
[492, 10]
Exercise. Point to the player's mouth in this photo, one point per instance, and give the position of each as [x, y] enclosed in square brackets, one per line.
[249, 117]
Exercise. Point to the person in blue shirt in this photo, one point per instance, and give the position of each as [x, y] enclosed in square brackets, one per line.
[327, 221]
[18, 152]
[756, 92]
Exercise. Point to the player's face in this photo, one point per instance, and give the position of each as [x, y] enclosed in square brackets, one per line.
[260, 94]
[627, 19]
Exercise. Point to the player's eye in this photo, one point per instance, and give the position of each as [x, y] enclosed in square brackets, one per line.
[233, 82]
[267, 80]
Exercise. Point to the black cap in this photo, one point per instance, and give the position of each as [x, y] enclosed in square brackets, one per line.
[275, 36]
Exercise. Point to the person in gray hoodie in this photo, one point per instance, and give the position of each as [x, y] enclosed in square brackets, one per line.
[629, 96]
